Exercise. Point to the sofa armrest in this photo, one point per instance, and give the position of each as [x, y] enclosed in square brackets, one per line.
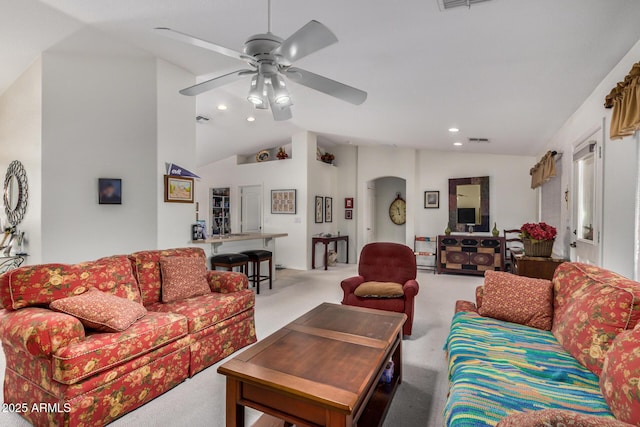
[410, 289]
[558, 417]
[349, 285]
[226, 282]
[479, 295]
[40, 331]
[465, 306]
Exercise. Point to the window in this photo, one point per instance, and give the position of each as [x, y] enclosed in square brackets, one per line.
[585, 167]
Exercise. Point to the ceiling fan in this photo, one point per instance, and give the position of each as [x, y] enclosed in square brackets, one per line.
[270, 58]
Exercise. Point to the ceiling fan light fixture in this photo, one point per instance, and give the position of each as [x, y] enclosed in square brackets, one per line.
[280, 93]
[256, 93]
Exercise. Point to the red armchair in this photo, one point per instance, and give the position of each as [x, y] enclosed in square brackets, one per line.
[385, 262]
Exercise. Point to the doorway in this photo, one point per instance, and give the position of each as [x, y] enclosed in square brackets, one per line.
[251, 209]
[381, 193]
[587, 201]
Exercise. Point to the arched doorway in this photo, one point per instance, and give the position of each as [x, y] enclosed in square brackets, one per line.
[381, 192]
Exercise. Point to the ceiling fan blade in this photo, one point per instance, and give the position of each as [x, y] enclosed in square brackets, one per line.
[308, 39]
[215, 82]
[194, 41]
[325, 85]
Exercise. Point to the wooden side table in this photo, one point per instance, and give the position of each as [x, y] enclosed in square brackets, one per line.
[535, 267]
[326, 241]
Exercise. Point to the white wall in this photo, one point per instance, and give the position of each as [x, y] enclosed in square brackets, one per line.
[620, 171]
[387, 189]
[512, 202]
[346, 161]
[292, 251]
[20, 139]
[176, 137]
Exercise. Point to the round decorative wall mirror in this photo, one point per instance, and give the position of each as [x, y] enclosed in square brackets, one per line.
[16, 192]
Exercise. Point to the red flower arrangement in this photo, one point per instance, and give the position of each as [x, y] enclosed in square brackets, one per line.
[538, 232]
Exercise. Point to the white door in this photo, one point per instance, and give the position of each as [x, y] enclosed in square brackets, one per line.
[251, 209]
[587, 200]
[370, 215]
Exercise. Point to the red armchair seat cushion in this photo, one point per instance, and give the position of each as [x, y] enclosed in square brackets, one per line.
[517, 299]
[103, 350]
[146, 268]
[379, 290]
[207, 310]
[183, 277]
[592, 306]
[101, 311]
[40, 285]
[619, 380]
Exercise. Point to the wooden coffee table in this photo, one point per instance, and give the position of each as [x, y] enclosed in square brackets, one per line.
[322, 369]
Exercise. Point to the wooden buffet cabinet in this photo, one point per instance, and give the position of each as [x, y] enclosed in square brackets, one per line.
[470, 254]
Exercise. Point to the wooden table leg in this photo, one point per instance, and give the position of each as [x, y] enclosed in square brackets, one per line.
[326, 255]
[347, 242]
[235, 412]
[313, 255]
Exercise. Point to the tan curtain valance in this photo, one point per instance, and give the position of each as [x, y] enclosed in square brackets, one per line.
[544, 170]
[625, 101]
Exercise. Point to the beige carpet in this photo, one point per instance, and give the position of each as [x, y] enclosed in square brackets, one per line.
[419, 401]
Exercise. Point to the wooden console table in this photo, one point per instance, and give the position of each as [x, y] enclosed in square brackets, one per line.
[535, 267]
[470, 254]
[326, 241]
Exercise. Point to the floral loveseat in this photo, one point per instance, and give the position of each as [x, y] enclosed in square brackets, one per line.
[62, 373]
[535, 353]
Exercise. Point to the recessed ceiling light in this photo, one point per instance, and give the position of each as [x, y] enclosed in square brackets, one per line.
[457, 144]
[222, 107]
[251, 119]
[454, 130]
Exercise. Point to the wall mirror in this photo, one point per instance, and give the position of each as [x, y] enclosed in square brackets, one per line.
[469, 204]
[16, 192]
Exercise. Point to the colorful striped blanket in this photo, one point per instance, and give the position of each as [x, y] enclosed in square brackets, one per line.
[497, 368]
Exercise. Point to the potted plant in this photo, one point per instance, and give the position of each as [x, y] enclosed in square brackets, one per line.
[538, 239]
[282, 154]
[328, 157]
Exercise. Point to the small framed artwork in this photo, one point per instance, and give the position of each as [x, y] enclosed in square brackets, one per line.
[328, 209]
[348, 203]
[109, 191]
[319, 209]
[178, 189]
[283, 202]
[348, 214]
[431, 199]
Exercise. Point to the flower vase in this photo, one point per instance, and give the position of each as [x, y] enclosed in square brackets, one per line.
[495, 232]
[447, 231]
[538, 248]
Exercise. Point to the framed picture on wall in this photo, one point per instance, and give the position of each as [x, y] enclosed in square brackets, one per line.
[109, 191]
[319, 209]
[283, 202]
[348, 203]
[348, 214]
[431, 199]
[328, 209]
[178, 189]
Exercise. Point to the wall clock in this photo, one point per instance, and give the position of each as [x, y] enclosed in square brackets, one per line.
[398, 211]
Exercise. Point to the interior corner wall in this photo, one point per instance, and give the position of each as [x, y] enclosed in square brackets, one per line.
[512, 202]
[21, 139]
[620, 172]
[176, 138]
[347, 168]
[99, 121]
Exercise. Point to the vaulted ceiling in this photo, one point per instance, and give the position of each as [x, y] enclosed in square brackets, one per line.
[511, 71]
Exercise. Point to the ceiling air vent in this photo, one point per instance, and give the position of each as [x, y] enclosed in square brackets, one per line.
[478, 140]
[450, 4]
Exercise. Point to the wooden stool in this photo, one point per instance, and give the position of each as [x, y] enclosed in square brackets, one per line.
[257, 257]
[229, 261]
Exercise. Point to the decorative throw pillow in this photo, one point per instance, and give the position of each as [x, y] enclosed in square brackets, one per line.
[620, 375]
[557, 417]
[518, 299]
[183, 277]
[379, 290]
[100, 310]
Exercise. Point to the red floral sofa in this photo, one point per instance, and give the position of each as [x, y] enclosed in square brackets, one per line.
[90, 378]
[535, 353]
